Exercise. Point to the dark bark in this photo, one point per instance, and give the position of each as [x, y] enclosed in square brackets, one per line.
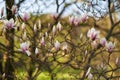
[9, 69]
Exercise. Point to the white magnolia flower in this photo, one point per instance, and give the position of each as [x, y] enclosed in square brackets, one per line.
[54, 30]
[42, 41]
[35, 28]
[9, 24]
[93, 34]
[110, 46]
[57, 45]
[59, 26]
[23, 26]
[103, 41]
[90, 76]
[36, 51]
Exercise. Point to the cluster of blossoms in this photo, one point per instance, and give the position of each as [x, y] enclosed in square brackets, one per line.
[76, 20]
[95, 38]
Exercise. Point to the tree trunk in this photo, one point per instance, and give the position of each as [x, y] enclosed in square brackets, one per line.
[9, 67]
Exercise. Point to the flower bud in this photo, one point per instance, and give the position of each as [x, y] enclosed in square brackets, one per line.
[2, 11]
[117, 60]
[36, 51]
[24, 36]
[25, 17]
[54, 30]
[59, 26]
[14, 9]
[90, 76]
[35, 28]
[23, 26]
[42, 41]
[103, 41]
[57, 45]
[39, 24]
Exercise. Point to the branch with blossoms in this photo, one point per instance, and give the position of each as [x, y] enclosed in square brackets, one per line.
[54, 48]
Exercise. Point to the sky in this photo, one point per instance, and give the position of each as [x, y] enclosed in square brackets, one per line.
[49, 6]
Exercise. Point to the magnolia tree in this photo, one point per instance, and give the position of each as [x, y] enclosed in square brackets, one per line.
[34, 47]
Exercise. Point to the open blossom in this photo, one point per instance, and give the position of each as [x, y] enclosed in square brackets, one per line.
[24, 47]
[9, 24]
[14, 9]
[103, 41]
[110, 46]
[25, 17]
[57, 45]
[93, 34]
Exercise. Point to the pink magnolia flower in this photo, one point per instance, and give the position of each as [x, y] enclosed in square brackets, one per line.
[55, 15]
[57, 45]
[9, 24]
[103, 41]
[110, 46]
[94, 44]
[25, 17]
[59, 26]
[14, 9]
[84, 17]
[93, 34]
[74, 20]
[42, 41]
[24, 47]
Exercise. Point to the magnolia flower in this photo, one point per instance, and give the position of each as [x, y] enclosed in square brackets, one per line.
[24, 36]
[71, 20]
[88, 71]
[24, 47]
[28, 52]
[94, 44]
[59, 26]
[74, 21]
[36, 51]
[110, 46]
[84, 17]
[9, 24]
[90, 76]
[39, 24]
[55, 15]
[25, 17]
[23, 26]
[35, 28]
[93, 34]
[14, 9]
[103, 41]
[54, 30]
[65, 46]
[117, 60]
[57, 45]
[42, 41]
